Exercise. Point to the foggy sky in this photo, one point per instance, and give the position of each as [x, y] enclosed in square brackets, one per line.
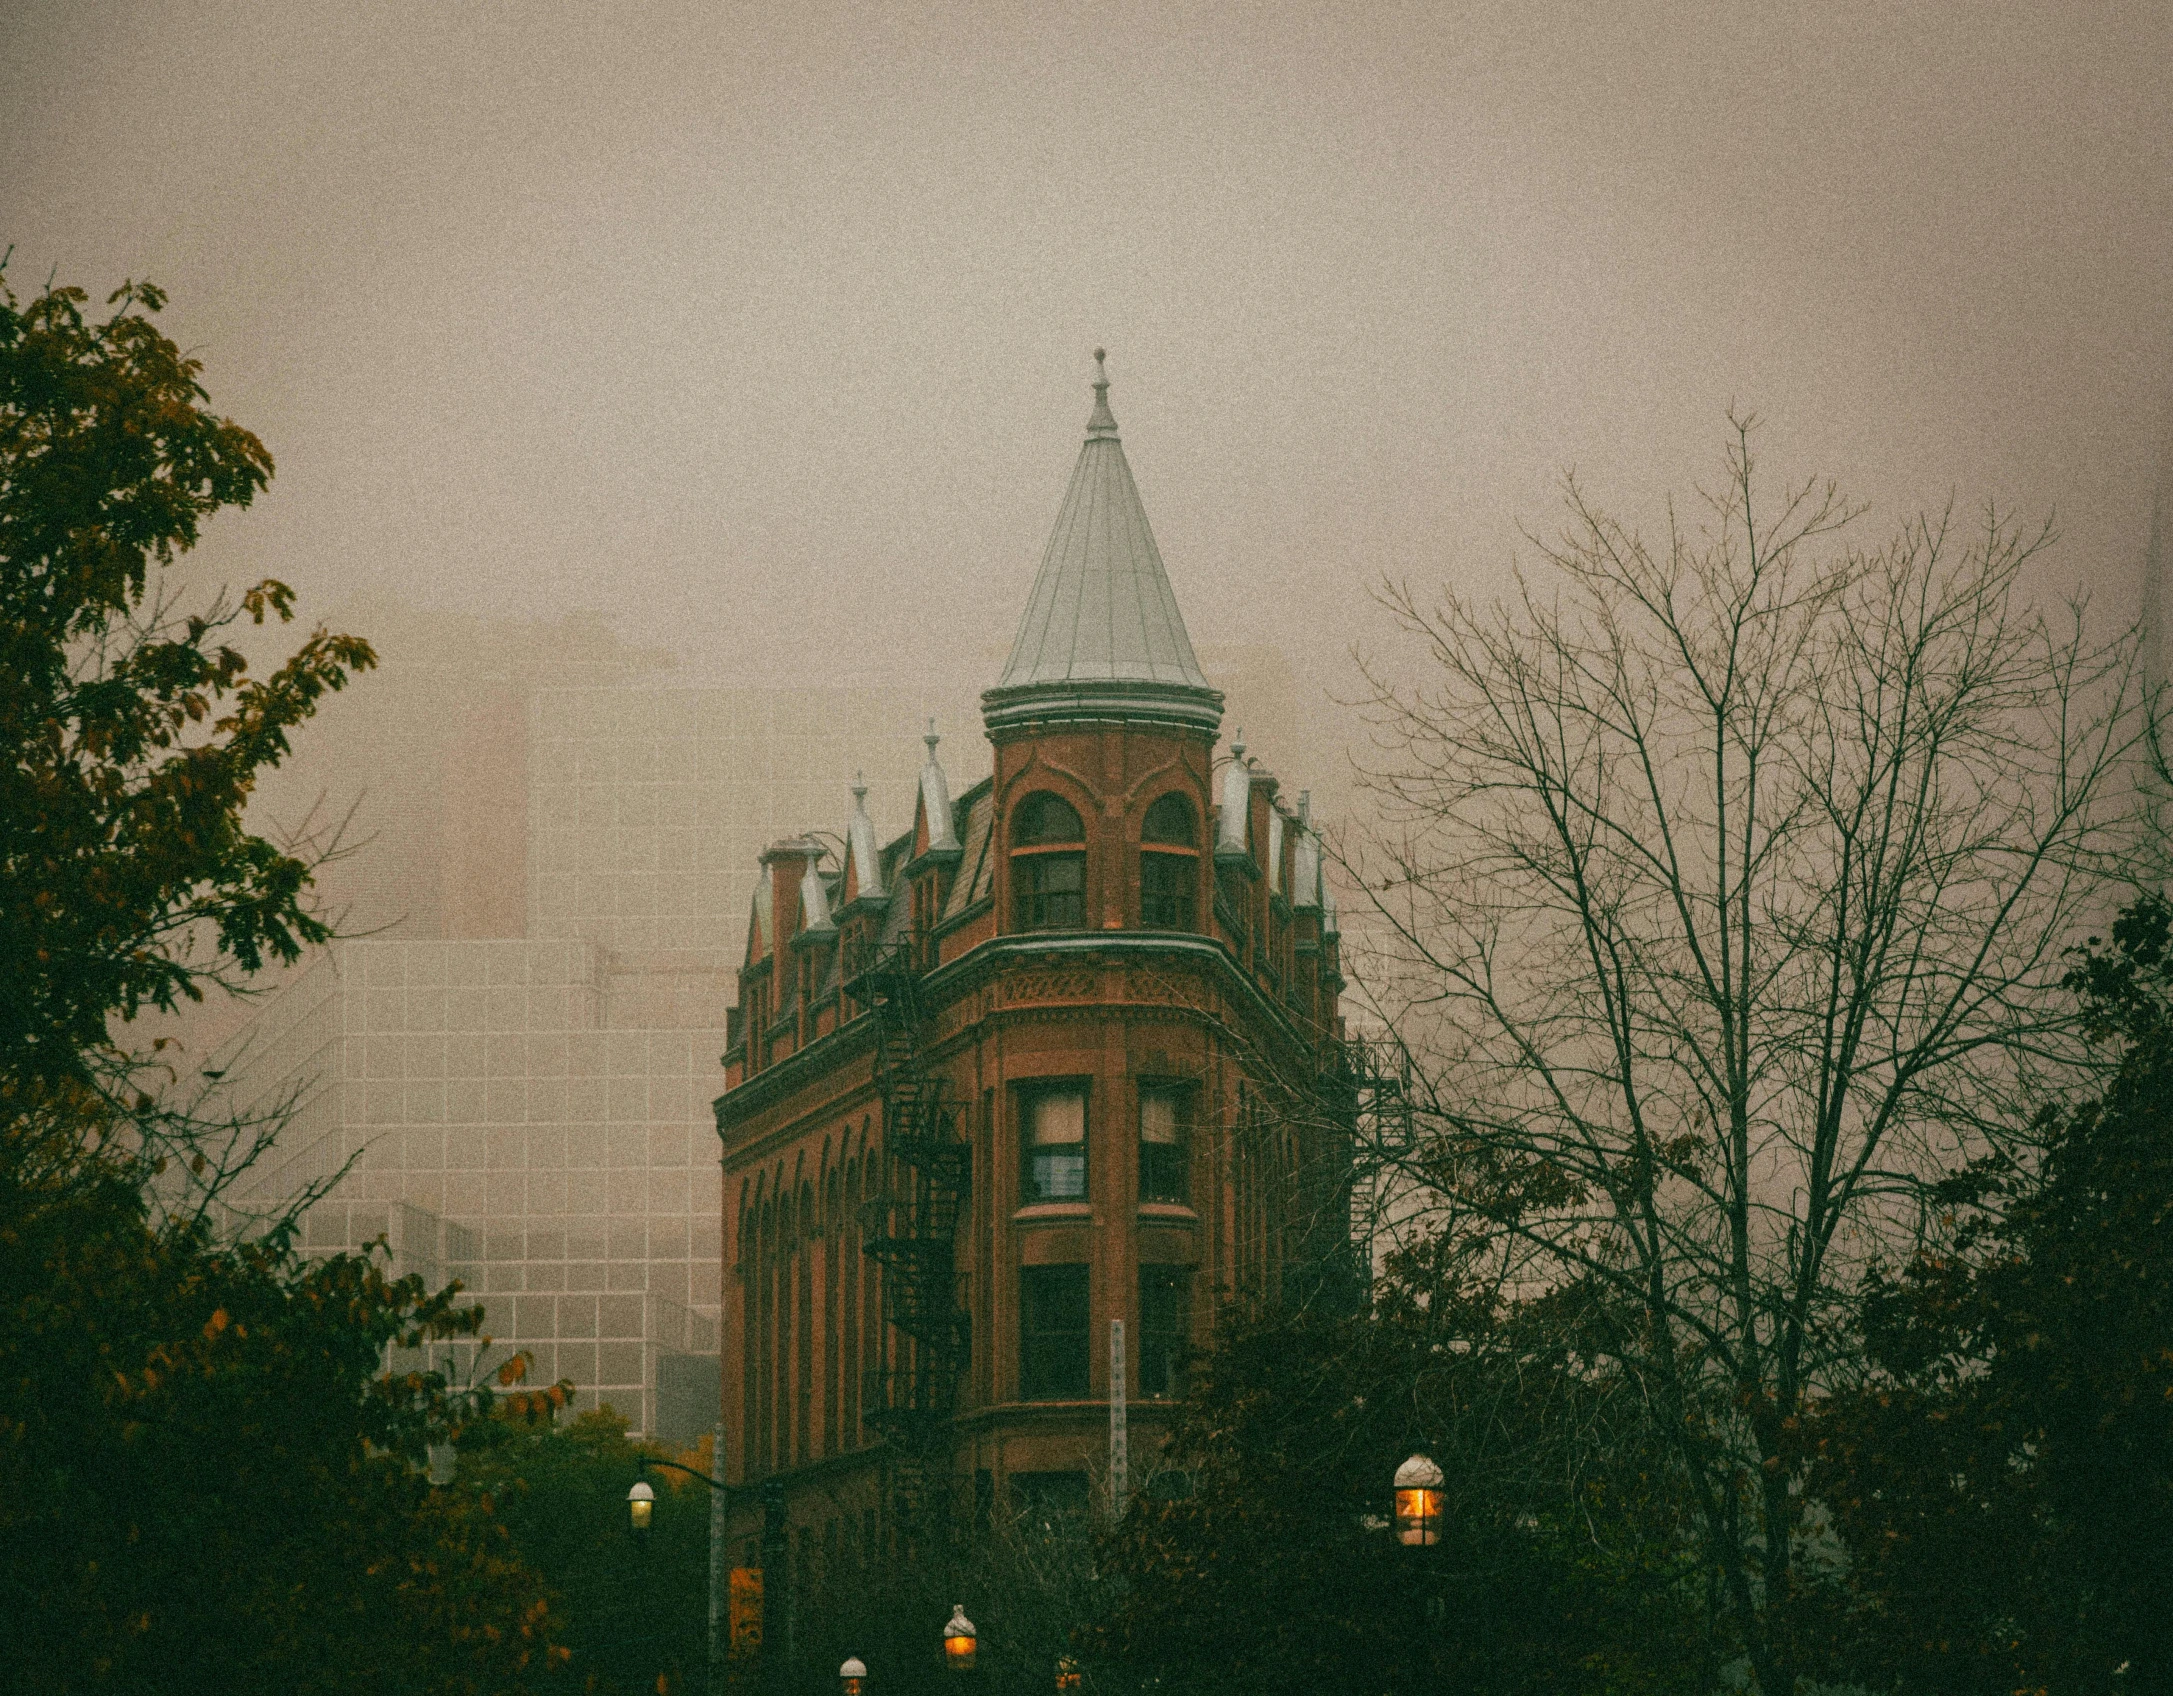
[766, 329]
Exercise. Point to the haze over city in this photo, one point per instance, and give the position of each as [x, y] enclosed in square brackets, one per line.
[762, 332]
[972, 955]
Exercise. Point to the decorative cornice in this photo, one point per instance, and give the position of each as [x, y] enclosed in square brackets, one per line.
[956, 977]
[1024, 706]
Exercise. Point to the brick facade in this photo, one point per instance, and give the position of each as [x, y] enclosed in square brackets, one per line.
[1115, 1015]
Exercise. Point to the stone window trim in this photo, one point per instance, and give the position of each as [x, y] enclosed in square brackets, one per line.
[1055, 1213]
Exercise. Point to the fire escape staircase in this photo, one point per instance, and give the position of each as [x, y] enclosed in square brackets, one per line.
[910, 1400]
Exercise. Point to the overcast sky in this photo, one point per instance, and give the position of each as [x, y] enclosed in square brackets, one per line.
[767, 329]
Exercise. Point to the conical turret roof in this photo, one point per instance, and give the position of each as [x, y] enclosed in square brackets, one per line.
[1102, 637]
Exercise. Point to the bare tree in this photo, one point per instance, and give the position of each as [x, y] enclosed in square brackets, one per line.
[1722, 891]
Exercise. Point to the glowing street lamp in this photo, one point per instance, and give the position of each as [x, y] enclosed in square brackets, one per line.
[641, 1503]
[853, 1677]
[1418, 1502]
[959, 1640]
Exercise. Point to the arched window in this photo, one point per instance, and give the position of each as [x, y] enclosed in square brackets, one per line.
[1169, 822]
[1169, 865]
[1048, 864]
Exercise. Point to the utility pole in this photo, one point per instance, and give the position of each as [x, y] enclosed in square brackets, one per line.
[1120, 1445]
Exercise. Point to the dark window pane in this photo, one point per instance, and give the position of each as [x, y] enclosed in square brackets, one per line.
[1169, 820]
[1165, 890]
[1163, 1329]
[1053, 1333]
[1045, 818]
[1053, 1145]
[1049, 891]
[1162, 1151]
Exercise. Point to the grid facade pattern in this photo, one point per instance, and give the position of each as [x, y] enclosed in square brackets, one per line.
[502, 1131]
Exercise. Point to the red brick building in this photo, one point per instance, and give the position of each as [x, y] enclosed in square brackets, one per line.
[1066, 1053]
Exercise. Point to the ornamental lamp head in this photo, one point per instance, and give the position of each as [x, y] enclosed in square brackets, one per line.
[960, 1640]
[1418, 1502]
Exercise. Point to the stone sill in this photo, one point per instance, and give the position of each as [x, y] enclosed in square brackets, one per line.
[1053, 1213]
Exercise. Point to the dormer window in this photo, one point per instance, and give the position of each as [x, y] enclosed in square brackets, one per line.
[1048, 864]
[1169, 865]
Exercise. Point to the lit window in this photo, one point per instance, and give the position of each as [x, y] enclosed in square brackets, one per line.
[1053, 1333]
[1164, 1329]
[1161, 1145]
[1055, 1146]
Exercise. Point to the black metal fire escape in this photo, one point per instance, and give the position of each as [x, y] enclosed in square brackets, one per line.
[911, 1398]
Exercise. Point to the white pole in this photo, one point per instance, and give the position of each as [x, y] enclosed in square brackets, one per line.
[1120, 1456]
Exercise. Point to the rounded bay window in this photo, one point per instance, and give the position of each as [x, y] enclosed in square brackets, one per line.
[1048, 864]
[1169, 865]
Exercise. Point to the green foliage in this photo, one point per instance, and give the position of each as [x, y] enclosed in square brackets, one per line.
[206, 1477]
[133, 734]
[1563, 1566]
[633, 1609]
[2004, 1479]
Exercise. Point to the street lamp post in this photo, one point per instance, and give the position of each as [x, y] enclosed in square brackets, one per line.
[1417, 1520]
[641, 1508]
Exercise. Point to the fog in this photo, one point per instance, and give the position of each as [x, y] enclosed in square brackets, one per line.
[761, 334]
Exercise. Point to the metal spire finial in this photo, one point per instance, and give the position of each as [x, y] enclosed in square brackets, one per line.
[931, 738]
[1104, 422]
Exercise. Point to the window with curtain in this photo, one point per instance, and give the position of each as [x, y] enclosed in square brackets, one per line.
[1054, 1146]
[1162, 1143]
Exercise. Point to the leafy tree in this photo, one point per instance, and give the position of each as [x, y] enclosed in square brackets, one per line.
[633, 1610]
[1564, 1563]
[1725, 874]
[2004, 1479]
[133, 733]
[207, 1475]
[208, 1480]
